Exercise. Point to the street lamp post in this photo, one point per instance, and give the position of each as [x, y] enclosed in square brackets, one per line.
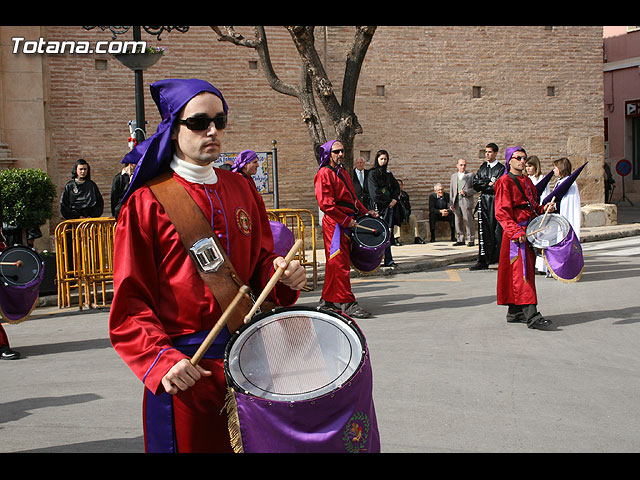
[138, 62]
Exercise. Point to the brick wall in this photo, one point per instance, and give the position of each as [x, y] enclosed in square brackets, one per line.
[427, 118]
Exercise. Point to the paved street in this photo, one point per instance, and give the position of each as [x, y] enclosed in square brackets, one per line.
[450, 375]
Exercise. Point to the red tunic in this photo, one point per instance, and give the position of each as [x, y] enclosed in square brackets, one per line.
[159, 295]
[332, 194]
[514, 286]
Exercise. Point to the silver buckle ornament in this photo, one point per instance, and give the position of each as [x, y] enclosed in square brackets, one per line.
[207, 255]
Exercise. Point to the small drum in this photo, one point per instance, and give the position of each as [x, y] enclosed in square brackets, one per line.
[300, 380]
[21, 272]
[544, 232]
[369, 239]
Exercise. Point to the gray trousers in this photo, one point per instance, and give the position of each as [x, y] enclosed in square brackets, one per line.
[464, 223]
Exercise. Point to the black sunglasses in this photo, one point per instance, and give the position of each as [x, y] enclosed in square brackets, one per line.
[337, 151]
[202, 122]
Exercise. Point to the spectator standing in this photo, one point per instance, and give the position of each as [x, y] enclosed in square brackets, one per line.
[461, 195]
[81, 197]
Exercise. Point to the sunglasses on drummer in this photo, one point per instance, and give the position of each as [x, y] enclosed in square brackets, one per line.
[202, 122]
[338, 150]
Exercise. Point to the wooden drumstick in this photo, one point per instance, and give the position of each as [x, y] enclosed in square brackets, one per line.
[217, 328]
[543, 218]
[274, 279]
[19, 263]
[367, 228]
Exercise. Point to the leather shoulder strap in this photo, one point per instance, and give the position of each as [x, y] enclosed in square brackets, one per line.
[192, 226]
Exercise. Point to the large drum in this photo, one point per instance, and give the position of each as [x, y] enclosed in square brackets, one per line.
[300, 381]
[547, 230]
[369, 239]
[559, 246]
[21, 272]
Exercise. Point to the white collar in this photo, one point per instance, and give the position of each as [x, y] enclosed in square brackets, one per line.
[493, 164]
[194, 173]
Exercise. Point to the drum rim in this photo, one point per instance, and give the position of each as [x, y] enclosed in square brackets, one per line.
[386, 236]
[32, 251]
[555, 217]
[349, 322]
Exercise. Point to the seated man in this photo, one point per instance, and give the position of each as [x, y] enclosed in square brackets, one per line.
[439, 211]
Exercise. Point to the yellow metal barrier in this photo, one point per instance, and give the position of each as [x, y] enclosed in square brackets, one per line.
[84, 256]
[293, 219]
[95, 244]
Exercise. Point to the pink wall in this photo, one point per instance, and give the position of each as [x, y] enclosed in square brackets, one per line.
[621, 83]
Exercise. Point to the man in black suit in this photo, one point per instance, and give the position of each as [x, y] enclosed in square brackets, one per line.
[439, 211]
[360, 176]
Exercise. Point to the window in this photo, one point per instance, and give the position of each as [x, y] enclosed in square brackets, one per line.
[551, 91]
[476, 92]
[380, 90]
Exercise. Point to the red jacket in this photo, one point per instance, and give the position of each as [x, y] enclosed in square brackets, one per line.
[516, 268]
[158, 294]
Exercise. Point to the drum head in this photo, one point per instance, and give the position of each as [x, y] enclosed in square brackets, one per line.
[548, 233]
[371, 232]
[30, 265]
[294, 354]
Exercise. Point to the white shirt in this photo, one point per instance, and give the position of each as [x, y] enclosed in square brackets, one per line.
[194, 173]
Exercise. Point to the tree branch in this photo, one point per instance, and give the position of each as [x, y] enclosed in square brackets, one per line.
[261, 47]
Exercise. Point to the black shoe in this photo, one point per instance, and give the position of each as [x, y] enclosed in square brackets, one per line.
[392, 265]
[419, 241]
[518, 318]
[471, 244]
[329, 306]
[457, 244]
[8, 354]
[354, 310]
[479, 266]
[541, 324]
[432, 240]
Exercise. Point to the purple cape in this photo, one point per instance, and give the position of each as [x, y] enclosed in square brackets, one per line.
[154, 154]
[565, 260]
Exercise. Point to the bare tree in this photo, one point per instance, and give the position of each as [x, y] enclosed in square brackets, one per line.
[314, 81]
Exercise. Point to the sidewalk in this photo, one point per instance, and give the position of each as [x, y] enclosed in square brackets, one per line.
[416, 258]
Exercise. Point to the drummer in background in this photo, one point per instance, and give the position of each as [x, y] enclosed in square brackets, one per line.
[5, 350]
[516, 285]
[570, 203]
[160, 301]
[337, 200]
[246, 164]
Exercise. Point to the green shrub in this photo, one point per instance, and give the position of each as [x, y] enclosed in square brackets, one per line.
[27, 197]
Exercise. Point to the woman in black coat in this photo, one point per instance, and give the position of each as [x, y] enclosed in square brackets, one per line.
[384, 191]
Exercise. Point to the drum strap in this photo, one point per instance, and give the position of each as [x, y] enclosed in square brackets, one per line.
[515, 180]
[192, 226]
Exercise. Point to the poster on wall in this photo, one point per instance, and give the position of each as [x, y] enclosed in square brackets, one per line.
[261, 178]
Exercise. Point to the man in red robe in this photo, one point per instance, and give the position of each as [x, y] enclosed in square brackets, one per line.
[162, 310]
[516, 203]
[337, 200]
